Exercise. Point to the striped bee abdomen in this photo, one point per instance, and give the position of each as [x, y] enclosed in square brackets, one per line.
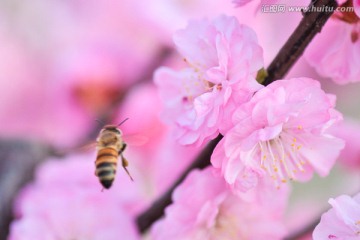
[106, 162]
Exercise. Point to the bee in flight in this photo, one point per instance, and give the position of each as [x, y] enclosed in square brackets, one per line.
[110, 145]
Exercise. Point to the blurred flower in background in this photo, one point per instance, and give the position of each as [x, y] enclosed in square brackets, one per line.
[203, 212]
[159, 159]
[72, 61]
[336, 58]
[64, 202]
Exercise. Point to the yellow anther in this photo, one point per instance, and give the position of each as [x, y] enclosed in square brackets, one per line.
[283, 180]
[300, 127]
[294, 140]
[299, 147]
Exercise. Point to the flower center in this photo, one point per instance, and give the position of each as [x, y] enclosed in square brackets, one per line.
[227, 222]
[281, 158]
[198, 84]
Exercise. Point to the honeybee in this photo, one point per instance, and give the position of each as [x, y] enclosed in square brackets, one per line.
[110, 145]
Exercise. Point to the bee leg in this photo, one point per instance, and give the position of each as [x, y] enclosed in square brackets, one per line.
[122, 148]
[125, 163]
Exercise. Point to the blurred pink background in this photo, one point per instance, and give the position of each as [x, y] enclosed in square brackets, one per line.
[64, 64]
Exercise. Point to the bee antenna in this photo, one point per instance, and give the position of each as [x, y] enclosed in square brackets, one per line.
[99, 121]
[123, 122]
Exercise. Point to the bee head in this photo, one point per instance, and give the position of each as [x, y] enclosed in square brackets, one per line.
[112, 128]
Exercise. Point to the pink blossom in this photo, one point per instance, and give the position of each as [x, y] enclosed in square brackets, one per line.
[342, 221]
[281, 132]
[339, 58]
[204, 208]
[59, 213]
[223, 58]
[66, 202]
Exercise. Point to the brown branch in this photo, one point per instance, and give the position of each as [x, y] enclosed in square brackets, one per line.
[311, 24]
[157, 208]
[18, 159]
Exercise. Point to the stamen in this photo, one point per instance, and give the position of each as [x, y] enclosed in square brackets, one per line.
[281, 149]
[296, 161]
[275, 164]
[285, 158]
[263, 156]
[265, 165]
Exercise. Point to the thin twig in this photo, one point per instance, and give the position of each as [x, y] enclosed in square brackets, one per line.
[311, 24]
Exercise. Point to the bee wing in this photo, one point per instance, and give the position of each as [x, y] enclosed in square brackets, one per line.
[135, 139]
[87, 147]
[83, 148]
